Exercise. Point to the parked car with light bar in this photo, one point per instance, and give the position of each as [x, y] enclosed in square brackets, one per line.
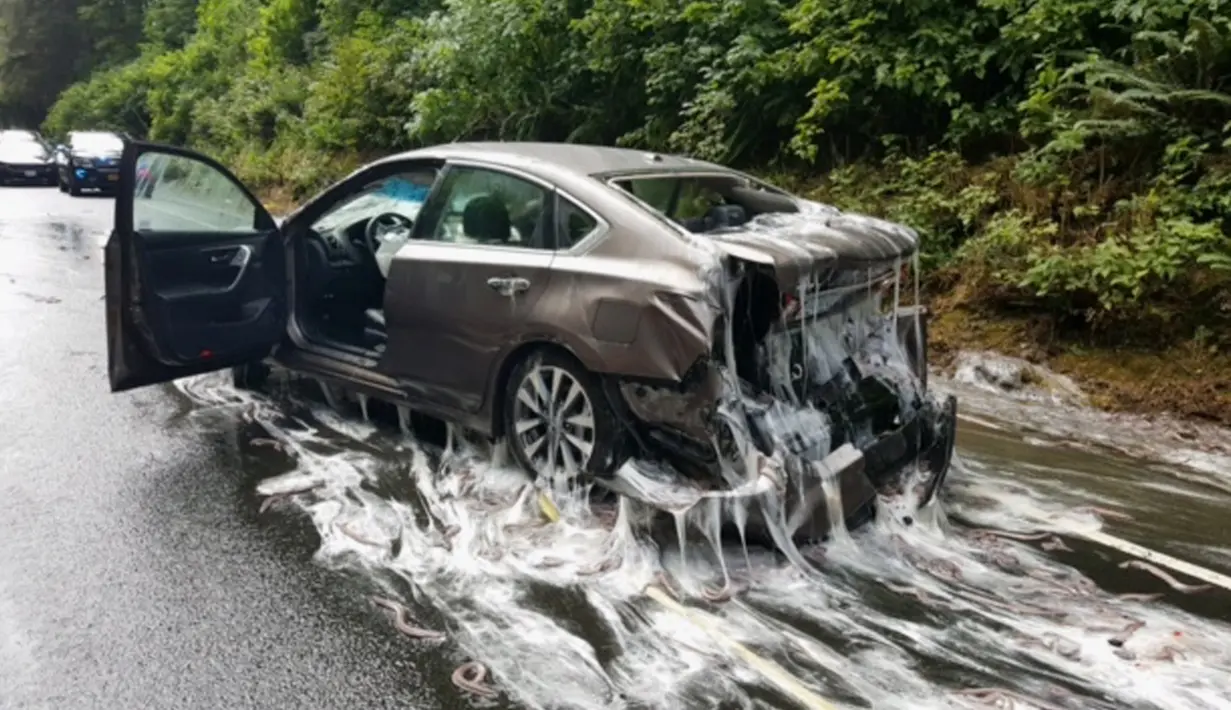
[89, 160]
[25, 161]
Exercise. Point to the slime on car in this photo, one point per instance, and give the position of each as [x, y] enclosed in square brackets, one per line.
[671, 329]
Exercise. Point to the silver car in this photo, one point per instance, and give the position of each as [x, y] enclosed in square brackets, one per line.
[632, 317]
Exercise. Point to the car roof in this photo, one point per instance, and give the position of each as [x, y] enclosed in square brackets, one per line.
[580, 158]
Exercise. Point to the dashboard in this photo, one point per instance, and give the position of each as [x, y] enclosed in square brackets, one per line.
[341, 235]
[342, 247]
[339, 265]
[338, 270]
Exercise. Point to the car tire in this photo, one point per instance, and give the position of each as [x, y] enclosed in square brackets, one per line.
[250, 376]
[60, 184]
[73, 188]
[584, 395]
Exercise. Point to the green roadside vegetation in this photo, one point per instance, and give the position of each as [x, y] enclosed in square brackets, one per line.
[1067, 161]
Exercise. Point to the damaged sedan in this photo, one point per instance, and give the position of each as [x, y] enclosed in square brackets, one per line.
[642, 321]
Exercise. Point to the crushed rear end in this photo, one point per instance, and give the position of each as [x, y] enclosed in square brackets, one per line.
[814, 398]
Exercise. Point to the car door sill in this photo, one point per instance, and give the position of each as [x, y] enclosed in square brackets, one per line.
[356, 371]
[345, 369]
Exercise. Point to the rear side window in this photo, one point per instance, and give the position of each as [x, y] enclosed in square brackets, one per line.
[655, 192]
[488, 207]
[701, 203]
[573, 224]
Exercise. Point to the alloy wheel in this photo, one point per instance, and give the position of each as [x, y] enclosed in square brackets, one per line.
[553, 420]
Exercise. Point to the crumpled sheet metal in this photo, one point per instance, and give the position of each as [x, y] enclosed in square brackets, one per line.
[816, 242]
[689, 412]
[675, 330]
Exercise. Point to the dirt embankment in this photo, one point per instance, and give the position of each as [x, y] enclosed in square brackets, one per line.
[1188, 381]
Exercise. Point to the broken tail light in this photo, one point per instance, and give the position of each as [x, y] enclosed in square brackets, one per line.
[790, 308]
[815, 298]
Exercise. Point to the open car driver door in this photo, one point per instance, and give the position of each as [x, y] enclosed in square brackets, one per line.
[195, 270]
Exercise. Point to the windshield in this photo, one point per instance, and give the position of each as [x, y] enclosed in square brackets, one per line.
[702, 202]
[18, 136]
[23, 150]
[400, 194]
[108, 142]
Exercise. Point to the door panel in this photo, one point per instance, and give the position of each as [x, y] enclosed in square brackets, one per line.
[447, 324]
[462, 289]
[196, 270]
[210, 296]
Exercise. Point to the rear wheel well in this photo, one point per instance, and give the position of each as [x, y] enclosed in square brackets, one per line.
[519, 355]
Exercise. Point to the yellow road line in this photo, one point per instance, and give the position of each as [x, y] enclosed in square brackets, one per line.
[770, 670]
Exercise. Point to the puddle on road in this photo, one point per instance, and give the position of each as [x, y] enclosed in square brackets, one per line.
[903, 617]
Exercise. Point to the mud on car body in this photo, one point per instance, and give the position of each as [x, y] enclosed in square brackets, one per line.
[636, 318]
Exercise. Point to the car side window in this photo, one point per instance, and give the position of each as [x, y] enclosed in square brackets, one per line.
[174, 193]
[655, 192]
[402, 193]
[573, 224]
[489, 207]
[679, 198]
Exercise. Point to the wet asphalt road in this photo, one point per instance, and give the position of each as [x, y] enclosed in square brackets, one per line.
[134, 570]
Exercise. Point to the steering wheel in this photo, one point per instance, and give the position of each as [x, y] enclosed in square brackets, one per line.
[383, 224]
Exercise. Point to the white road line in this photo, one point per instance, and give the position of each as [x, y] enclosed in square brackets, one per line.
[1130, 548]
[770, 670]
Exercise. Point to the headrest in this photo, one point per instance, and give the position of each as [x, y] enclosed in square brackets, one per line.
[487, 219]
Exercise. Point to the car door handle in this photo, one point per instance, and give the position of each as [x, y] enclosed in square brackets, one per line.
[509, 285]
[237, 257]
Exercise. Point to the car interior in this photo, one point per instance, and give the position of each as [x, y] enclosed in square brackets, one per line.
[704, 203]
[349, 250]
[342, 267]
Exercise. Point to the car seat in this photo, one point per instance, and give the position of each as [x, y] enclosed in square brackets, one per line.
[725, 216]
[757, 202]
[486, 219]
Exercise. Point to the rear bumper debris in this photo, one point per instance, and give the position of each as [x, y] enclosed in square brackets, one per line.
[868, 428]
[917, 453]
